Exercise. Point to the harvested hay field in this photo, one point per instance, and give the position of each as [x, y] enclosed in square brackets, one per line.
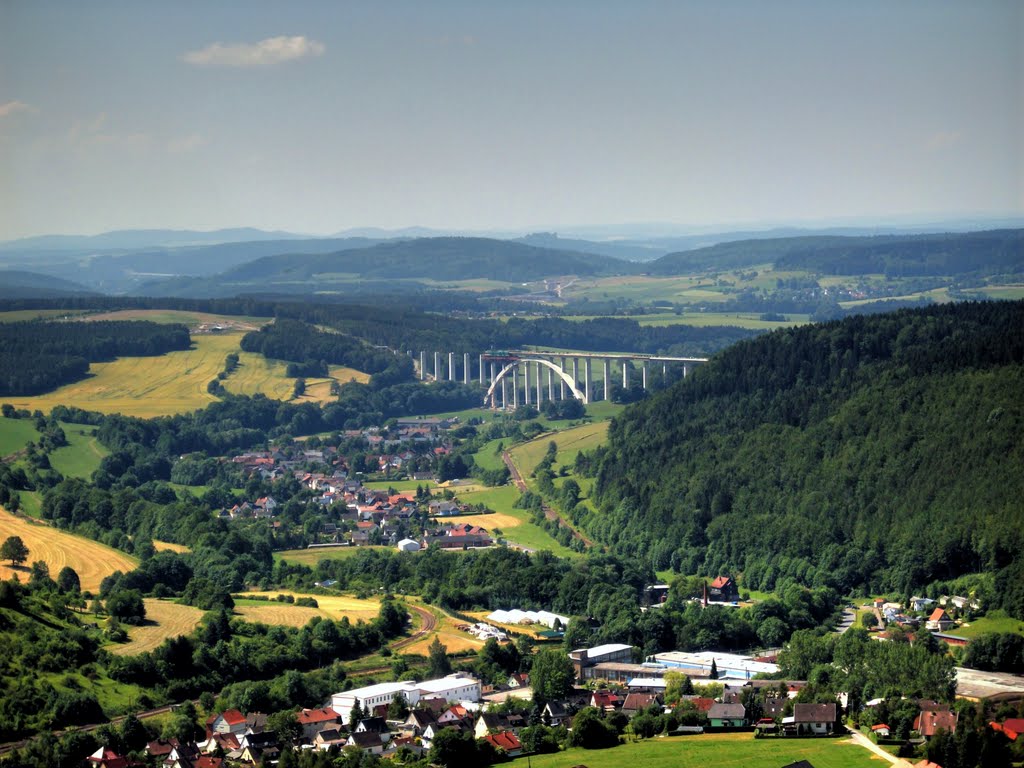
[176, 382]
[163, 620]
[91, 560]
[167, 546]
[291, 615]
[191, 319]
[488, 522]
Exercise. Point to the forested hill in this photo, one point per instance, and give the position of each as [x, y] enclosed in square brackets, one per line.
[437, 258]
[880, 452]
[17, 284]
[965, 253]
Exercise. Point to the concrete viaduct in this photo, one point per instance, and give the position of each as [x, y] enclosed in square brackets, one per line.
[525, 377]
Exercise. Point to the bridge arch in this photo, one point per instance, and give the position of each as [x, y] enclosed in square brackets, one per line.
[569, 381]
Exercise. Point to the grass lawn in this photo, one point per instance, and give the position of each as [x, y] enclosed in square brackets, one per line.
[83, 454]
[21, 315]
[570, 442]
[399, 485]
[116, 698]
[740, 750]
[486, 456]
[524, 533]
[996, 623]
[15, 434]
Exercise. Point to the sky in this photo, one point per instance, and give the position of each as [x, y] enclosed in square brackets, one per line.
[316, 117]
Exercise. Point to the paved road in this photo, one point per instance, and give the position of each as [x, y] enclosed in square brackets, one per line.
[549, 513]
[849, 617]
[864, 741]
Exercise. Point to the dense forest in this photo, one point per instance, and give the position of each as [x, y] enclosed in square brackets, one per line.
[301, 343]
[876, 453]
[39, 356]
[970, 253]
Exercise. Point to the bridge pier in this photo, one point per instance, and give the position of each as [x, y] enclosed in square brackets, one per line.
[437, 366]
[561, 382]
[526, 383]
[551, 384]
[481, 370]
[451, 366]
[607, 367]
[504, 393]
[423, 366]
[465, 368]
[515, 386]
[540, 392]
[644, 374]
[586, 378]
[625, 374]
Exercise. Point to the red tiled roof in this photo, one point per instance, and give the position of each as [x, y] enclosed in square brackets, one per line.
[506, 740]
[938, 615]
[720, 582]
[1012, 727]
[880, 727]
[307, 716]
[928, 722]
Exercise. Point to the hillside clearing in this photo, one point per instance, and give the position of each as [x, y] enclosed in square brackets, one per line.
[163, 620]
[15, 434]
[290, 615]
[167, 546]
[176, 382]
[83, 453]
[91, 560]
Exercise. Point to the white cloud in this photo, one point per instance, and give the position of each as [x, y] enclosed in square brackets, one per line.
[11, 107]
[265, 53]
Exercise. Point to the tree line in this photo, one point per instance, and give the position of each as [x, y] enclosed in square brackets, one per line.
[38, 356]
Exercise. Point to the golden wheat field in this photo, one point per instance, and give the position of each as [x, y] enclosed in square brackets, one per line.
[290, 615]
[487, 522]
[176, 382]
[163, 620]
[91, 560]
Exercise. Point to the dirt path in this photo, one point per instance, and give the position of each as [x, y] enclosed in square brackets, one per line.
[549, 513]
[863, 741]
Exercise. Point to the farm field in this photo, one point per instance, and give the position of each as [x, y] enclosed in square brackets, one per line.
[524, 532]
[176, 382]
[723, 750]
[15, 434]
[21, 315]
[311, 557]
[167, 546]
[455, 640]
[163, 620]
[749, 320]
[570, 442]
[289, 615]
[185, 317]
[83, 454]
[90, 559]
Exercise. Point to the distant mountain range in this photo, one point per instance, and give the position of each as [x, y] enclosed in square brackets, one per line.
[16, 284]
[228, 262]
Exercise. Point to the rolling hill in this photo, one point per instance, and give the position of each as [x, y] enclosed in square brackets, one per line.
[967, 253]
[17, 284]
[874, 453]
[434, 258]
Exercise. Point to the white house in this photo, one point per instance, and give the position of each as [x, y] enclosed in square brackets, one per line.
[408, 545]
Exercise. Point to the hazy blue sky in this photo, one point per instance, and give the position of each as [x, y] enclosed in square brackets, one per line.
[316, 117]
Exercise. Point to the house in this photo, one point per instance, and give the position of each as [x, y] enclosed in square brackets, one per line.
[605, 700]
[506, 741]
[518, 680]
[810, 719]
[723, 590]
[727, 716]
[315, 720]
[408, 545]
[329, 737]
[368, 741]
[229, 721]
[108, 758]
[588, 657]
[638, 702]
[418, 720]
[454, 713]
[374, 725]
[556, 713]
[881, 730]
[930, 721]
[939, 621]
[493, 722]
[1012, 727]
